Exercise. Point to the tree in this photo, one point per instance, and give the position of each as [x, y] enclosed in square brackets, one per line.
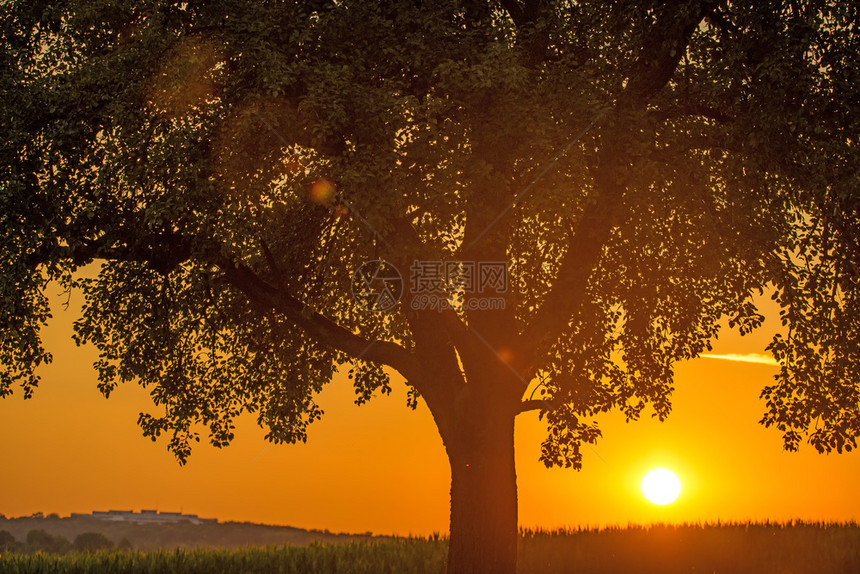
[41, 541]
[124, 545]
[641, 170]
[92, 542]
[7, 541]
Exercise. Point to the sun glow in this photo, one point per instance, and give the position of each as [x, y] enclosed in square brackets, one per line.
[661, 486]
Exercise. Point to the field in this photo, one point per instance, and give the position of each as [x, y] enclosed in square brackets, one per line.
[722, 548]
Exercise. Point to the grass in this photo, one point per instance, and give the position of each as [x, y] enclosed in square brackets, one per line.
[738, 548]
[406, 555]
[724, 548]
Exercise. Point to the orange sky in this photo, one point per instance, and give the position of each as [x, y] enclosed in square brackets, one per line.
[382, 468]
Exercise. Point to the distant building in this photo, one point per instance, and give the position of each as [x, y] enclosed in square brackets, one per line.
[146, 517]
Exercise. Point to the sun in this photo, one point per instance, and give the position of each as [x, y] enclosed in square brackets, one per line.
[661, 486]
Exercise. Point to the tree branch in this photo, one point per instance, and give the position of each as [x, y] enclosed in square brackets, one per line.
[169, 251]
[537, 405]
[583, 252]
[665, 46]
[652, 70]
[161, 252]
[437, 353]
[523, 13]
[270, 260]
[515, 11]
[322, 329]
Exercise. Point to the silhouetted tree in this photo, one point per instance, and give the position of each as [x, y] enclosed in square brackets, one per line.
[41, 541]
[642, 169]
[7, 541]
[124, 545]
[92, 541]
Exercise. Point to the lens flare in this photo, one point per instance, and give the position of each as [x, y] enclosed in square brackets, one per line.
[322, 191]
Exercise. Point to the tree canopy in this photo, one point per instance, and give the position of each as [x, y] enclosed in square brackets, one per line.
[177, 143]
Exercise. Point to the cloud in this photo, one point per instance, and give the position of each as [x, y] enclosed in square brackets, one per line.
[743, 358]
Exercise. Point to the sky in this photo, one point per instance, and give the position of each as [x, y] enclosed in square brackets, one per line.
[381, 467]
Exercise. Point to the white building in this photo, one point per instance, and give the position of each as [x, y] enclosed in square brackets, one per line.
[146, 517]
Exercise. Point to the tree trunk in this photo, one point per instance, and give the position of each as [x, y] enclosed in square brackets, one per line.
[484, 529]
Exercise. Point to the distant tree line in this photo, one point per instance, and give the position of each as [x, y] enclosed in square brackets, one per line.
[39, 540]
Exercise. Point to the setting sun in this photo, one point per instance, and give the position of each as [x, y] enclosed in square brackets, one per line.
[661, 486]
